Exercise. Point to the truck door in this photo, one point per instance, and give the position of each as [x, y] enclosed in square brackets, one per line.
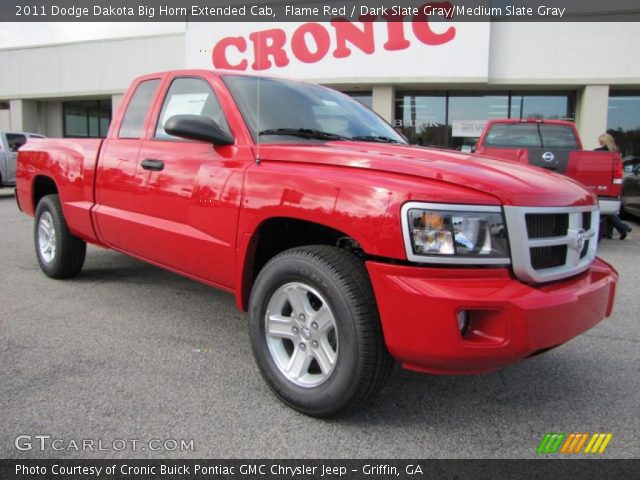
[631, 191]
[116, 171]
[188, 202]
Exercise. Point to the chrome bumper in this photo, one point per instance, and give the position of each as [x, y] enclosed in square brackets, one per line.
[609, 206]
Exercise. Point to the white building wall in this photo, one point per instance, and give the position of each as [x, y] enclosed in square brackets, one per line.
[102, 67]
[534, 56]
[382, 97]
[52, 121]
[24, 115]
[5, 119]
[591, 115]
[559, 53]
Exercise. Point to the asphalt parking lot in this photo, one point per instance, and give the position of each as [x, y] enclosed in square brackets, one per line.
[128, 351]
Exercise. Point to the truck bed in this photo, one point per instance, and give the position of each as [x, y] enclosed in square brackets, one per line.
[72, 162]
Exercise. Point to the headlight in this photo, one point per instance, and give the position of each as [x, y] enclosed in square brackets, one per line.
[439, 233]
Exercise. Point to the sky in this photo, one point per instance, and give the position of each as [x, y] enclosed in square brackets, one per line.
[26, 34]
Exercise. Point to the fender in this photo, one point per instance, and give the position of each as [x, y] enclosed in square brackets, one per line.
[362, 204]
[70, 165]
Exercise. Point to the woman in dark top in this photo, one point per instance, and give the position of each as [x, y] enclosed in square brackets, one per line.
[608, 144]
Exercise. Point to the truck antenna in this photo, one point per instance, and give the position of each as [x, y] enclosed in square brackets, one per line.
[258, 104]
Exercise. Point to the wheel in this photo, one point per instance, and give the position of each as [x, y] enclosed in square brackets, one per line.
[315, 331]
[60, 254]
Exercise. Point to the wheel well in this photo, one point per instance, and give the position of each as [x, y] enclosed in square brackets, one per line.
[42, 186]
[279, 234]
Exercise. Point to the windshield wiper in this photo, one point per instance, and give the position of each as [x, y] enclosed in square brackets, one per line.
[375, 138]
[303, 132]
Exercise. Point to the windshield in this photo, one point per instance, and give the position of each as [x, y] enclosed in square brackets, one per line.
[277, 110]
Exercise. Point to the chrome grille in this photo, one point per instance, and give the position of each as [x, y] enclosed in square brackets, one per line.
[551, 243]
[585, 250]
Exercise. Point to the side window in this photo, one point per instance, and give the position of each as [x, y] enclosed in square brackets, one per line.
[190, 96]
[15, 141]
[133, 121]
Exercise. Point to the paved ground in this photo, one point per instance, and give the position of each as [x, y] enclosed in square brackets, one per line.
[128, 351]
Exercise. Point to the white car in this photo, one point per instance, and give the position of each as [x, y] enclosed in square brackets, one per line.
[10, 142]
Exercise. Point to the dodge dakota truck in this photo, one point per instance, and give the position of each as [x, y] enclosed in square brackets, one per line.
[348, 248]
[555, 145]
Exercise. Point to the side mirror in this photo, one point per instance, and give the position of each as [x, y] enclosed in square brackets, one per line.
[197, 127]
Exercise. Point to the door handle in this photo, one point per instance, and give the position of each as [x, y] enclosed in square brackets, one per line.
[152, 164]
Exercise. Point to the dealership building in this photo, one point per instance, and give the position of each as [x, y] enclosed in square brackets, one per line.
[438, 83]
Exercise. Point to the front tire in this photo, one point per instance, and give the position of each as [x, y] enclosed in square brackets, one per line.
[60, 253]
[315, 330]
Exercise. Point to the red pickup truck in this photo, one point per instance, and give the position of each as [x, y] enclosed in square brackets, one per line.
[555, 145]
[348, 247]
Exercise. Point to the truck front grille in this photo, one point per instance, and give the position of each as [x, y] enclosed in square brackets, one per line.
[541, 225]
[548, 257]
[551, 243]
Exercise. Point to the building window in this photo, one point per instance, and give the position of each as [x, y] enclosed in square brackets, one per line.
[365, 98]
[86, 118]
[468, 114]
[456, 119]
[544, 105]
[422, 117]
[623, 121]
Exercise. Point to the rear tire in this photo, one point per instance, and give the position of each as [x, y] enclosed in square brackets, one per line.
[60, 253]
[315, 330]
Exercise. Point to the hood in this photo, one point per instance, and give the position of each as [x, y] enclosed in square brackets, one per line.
[511, 183]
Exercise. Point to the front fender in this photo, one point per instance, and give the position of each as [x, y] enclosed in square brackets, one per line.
[362, 204]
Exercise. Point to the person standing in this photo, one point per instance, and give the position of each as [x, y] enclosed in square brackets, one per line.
[608, 144]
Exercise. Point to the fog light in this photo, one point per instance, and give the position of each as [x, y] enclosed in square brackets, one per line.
[463, 321]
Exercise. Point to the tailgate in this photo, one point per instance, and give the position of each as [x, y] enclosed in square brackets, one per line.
[506, 153]
[595, 171]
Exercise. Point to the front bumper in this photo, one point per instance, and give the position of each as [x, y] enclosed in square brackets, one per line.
[509, 320]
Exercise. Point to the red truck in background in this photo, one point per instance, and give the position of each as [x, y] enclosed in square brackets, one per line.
[348, 247]
[555, 145]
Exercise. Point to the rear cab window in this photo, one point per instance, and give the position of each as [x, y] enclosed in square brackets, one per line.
[560, 136]
[531, 135]
[134, 117]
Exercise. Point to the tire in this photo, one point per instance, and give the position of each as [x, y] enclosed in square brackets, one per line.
[331, 359]
[60, 254]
